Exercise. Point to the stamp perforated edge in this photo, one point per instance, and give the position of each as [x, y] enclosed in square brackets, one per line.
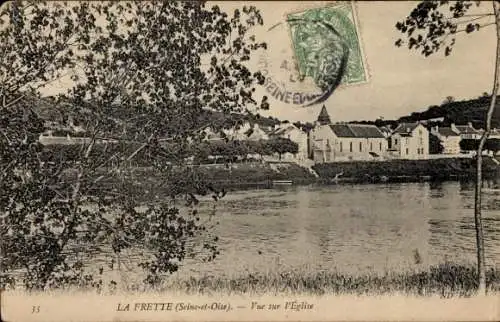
[357, 27]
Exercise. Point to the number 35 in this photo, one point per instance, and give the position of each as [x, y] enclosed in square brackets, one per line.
[36, 309]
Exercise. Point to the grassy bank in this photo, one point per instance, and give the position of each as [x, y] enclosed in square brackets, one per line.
[446, 280]
[394, 170]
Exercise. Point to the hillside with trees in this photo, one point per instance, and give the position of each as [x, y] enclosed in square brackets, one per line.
[458, 112]
[450, 111]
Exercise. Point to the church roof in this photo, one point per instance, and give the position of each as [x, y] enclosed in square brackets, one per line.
[356, 131]
[324, 117]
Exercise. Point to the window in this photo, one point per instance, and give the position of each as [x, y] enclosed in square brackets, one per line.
[407, 151]
[350, 146]
[360, 146]
[371, 146]
[340, 146]
[420, 132]
[380, 146]
[395, 141]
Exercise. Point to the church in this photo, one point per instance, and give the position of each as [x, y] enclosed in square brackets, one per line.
[331, 142]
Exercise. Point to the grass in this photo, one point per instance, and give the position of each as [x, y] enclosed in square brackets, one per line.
[446, 280]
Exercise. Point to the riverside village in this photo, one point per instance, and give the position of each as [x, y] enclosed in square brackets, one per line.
[193, 160]
[419, 148]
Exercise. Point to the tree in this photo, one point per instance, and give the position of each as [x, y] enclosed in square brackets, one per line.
[493, 145]
[139, 78]
[469, 144]
[281, 145]
[435, 145]
[432, 26]
[448, 100]
[306, 127]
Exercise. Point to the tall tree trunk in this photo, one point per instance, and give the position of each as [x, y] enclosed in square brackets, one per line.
[477, 198]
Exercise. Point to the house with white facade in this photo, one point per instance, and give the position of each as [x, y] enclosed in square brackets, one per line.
[467, 131]
[449, 137]
[345, 142]
[290, 131]
[409, 141]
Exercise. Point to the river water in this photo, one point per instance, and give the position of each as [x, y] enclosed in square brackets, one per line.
[350, 228]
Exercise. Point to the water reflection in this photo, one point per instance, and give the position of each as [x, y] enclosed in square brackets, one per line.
[351, 228]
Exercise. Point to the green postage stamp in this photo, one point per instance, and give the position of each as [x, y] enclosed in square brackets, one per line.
[322, 37]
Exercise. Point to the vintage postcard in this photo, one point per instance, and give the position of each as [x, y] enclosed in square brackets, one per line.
[249, 161]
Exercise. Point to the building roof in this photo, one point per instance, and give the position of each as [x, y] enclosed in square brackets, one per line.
[282, 130]
[385, 129]
[356, 131]
[466, 129]
[342, 130]
[406, 128]
[447, 131]
[324, 117]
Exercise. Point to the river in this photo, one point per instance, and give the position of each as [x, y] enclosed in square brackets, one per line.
[350, 228]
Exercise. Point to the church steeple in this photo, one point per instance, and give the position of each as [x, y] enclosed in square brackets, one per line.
[323, 117]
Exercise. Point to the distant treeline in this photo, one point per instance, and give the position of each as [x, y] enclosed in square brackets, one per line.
[458, 112]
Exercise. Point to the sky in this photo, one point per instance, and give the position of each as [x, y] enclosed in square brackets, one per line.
[400, 81]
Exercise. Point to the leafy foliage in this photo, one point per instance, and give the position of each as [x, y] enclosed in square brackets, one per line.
[283, 145]
[472, 145]
[235, 148]
[306, 127]
[141, 75]
[432, 25]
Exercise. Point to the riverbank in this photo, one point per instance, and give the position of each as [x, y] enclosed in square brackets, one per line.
[406, 170]
[264, 175]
